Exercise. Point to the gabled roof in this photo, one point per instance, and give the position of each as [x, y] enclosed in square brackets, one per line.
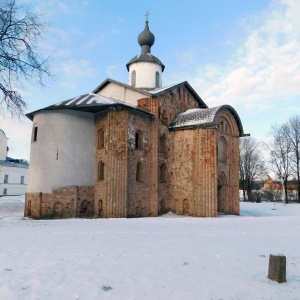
[198, 117]
[160, 91]
[87, 103]
[156, 91]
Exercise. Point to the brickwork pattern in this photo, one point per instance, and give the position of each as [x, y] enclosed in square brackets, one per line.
[63, 202]
[200, 166]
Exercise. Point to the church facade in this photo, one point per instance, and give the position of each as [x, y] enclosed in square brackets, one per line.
[134, 150]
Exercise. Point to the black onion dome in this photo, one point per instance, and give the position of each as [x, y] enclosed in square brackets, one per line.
[146, 37]
[146, 40]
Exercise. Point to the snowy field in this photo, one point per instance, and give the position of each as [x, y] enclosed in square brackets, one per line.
[169, 257]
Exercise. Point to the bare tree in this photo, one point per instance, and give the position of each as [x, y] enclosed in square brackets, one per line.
[280, 151]
[20, 31]
[292, 131]
[252, 166]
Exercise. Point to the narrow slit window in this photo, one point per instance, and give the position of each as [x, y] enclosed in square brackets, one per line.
[101, 170]
[162, 144]
[35, 132]
[133, 78]
[139, 140]
[157, 79]
[101, 138]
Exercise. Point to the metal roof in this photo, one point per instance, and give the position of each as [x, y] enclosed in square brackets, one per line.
[109, 80]
[198, 117]
[15, 163]
[146, 57]
[160, 91]
[87, 103]
[154, 92]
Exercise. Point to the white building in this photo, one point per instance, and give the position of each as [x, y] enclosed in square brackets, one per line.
[13, 172]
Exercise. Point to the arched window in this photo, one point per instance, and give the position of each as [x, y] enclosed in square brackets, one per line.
[101, 138]
[139, 140]
[161, 207]
[100, 209]
[101, 170]
[86, 209]
[162, 144]
[165, 117]
[138, 209]
[139, 170]
[133, 78]
[222, 149]
[224, 125]
[162, 173]
[186, 206]
[57, 210]
[157, 79]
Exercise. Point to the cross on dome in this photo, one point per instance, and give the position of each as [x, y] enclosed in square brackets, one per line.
[146, 15]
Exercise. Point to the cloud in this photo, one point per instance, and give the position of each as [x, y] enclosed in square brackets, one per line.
[74, 70]
[54, 7]
[110, 70]
[18, 133]
[99, 39]
[265, 66]
[190, 56]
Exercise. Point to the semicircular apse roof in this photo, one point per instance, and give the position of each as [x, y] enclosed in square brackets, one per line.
[202, 117]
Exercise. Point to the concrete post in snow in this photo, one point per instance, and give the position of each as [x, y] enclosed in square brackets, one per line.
[277, 268]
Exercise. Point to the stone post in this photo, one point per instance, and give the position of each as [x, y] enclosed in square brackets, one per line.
[277, 268]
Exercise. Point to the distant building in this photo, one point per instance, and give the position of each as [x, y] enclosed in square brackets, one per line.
[134, 150]
[273, 189]
[13, 172]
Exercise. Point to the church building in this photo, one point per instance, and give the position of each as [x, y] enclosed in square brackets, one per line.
[134, 150]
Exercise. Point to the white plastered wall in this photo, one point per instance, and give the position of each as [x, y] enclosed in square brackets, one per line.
[145, 74]
[121, 93]
[13, 185]
[64, 152]
[3, 145]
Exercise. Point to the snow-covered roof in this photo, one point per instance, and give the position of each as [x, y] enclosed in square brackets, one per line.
[88, 103]
[199, 117]
[161, 89]
[195, 116]
[16, 163]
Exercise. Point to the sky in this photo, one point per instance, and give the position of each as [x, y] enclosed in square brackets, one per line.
[242, 53]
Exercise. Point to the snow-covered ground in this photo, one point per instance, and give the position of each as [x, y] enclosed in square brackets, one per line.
[169, 257]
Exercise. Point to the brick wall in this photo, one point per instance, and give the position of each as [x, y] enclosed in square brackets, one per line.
[111, 191]
[139, 191]
[63, 202]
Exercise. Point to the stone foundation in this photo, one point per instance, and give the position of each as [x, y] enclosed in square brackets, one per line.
[63, 202]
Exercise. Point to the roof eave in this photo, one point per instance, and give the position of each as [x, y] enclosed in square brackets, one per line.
[210, 125]
[109, 80]
[202, 104]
